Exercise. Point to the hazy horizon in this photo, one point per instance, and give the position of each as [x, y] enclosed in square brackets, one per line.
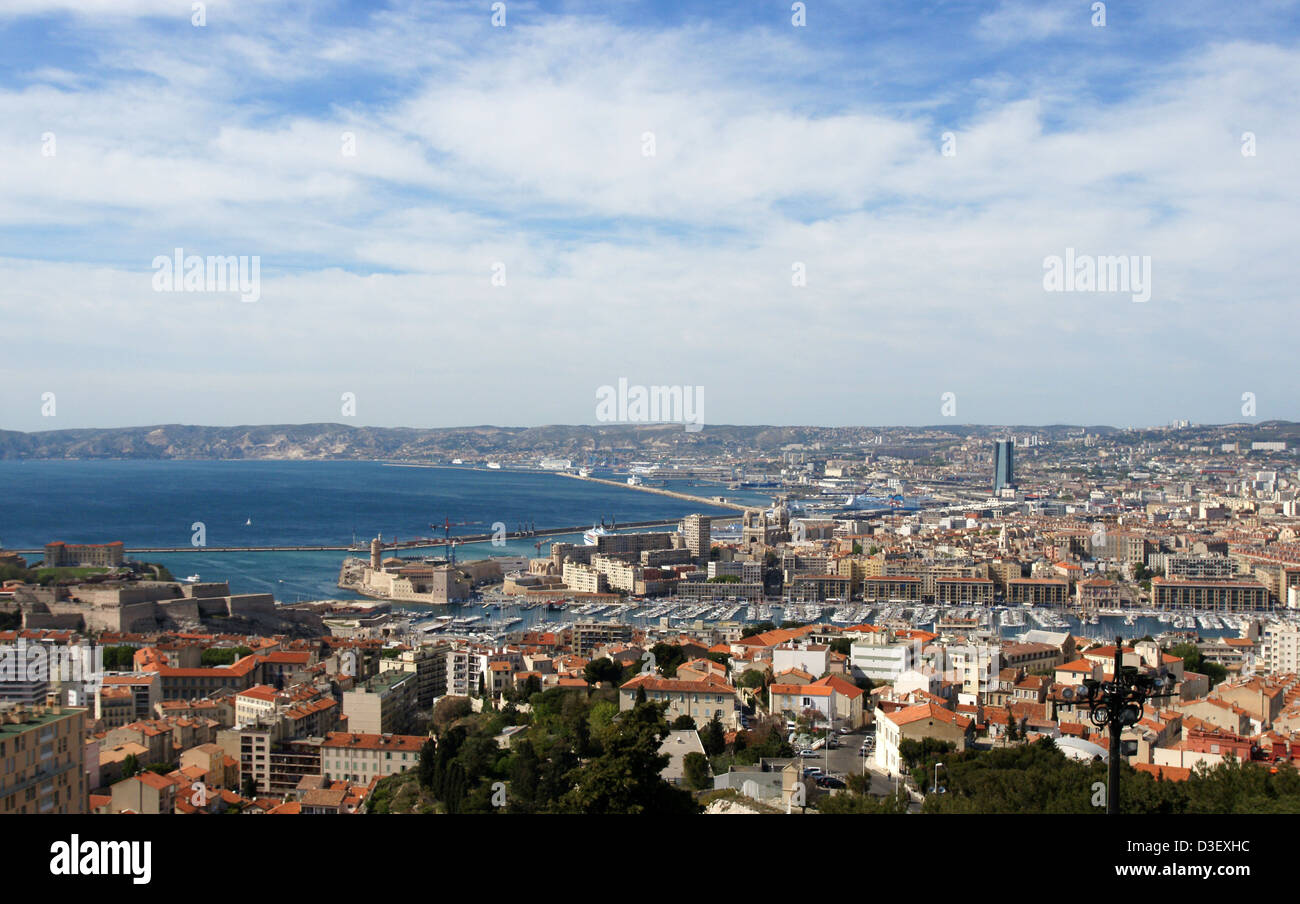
[954, 427]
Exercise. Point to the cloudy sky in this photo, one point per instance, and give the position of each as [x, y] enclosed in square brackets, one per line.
[648, 179]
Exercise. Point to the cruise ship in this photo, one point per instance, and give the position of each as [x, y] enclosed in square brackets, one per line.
[592, 537]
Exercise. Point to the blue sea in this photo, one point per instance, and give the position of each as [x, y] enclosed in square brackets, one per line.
[154, 504]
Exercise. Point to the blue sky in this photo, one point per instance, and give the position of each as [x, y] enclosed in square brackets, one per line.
[126, 132]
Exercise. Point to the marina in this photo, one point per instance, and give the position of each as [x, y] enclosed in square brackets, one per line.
[491, 617]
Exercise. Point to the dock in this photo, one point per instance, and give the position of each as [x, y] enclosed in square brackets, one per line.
[659, 491]
[418, 543]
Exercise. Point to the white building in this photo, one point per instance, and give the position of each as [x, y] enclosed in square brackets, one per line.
[811, 658]
[1280, 648]
[882, 662]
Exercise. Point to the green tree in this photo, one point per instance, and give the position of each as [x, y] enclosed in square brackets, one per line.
[603, 670]
[453, 794]
[668, 656]
[695, 769]
[215, 656]
[130, 766]
[1194, 661]
[714, 737]
[428, 754]
[553, 778]
[625, 777]
[525, 775]
[852, 802]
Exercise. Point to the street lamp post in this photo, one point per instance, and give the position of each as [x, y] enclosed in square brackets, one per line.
[1117, 704]
[934, 789]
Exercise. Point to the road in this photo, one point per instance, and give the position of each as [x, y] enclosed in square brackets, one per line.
[844, 760]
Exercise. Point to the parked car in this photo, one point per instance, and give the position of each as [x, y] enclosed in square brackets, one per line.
[830, 781]
[807, 752]
[845, 730]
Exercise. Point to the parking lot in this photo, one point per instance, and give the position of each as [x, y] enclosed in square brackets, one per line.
[843, 761]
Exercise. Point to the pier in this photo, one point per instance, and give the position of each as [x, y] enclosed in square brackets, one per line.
[417, 543]
[672, 494]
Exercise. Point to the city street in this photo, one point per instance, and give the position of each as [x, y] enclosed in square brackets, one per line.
[844, 761]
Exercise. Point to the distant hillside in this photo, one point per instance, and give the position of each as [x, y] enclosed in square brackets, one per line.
[338, 441]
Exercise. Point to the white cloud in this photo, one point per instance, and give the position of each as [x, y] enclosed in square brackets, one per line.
[924, 271]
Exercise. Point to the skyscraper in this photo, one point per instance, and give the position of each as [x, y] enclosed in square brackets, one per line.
[1003, 473]
[695, 533]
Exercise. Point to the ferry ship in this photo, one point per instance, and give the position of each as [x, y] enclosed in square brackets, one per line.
[494, 465]
[592, 537]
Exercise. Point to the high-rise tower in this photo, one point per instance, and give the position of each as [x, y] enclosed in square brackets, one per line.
[1003, 468]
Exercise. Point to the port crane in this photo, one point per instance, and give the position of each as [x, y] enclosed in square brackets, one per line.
[447, 525]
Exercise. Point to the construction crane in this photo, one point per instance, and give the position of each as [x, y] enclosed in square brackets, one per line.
[447, 525]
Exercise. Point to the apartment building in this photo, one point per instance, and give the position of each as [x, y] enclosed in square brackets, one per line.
[882, 661]
[695, 531]
[619, 574]
[815, 588]
[581, 578]
[1280, 648]
[706, 591]
[465, 667]
[748, 572]
[894, 587]
[963, 591]
[360, 757]
[1187, 565]
[1122, 546]
[147, 793]
[188, 683]
[587, 636]
[126, 698]
[796, 699]
[42, 759]
[925, 720]
[632, 544]
[383, 704]
[268, 759]
[813, 658]
[700, 700]
[1220, 596]
[1037, 592]
[429, 663]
